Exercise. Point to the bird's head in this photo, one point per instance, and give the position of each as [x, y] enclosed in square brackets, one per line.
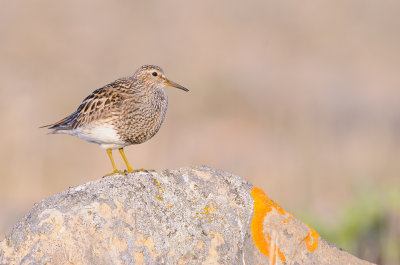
[153, 76]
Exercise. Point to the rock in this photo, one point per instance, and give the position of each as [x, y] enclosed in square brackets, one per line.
[187, 216]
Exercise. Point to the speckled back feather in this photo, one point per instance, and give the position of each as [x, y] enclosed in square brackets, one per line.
[100, 103]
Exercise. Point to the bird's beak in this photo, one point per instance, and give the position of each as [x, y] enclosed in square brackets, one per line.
[171, 83]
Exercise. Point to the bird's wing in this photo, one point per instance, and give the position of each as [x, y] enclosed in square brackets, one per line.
[100, 104]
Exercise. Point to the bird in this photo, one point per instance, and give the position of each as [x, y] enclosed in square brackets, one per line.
[125, 112]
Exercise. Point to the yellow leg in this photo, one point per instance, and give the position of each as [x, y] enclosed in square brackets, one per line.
[109, 152]
[130, 170]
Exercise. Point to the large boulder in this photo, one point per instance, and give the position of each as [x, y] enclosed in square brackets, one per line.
[187, 216]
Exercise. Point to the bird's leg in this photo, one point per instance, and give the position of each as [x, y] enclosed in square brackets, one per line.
[109, 152]
[121, 151]
[130, 170]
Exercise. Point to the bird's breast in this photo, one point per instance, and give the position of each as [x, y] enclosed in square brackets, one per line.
[144, 120]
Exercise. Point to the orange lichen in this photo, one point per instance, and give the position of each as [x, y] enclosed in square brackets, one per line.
[311, 239]
[289, 219]
[262, 205]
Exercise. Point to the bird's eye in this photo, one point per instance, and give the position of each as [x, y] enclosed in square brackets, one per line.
[154, 74]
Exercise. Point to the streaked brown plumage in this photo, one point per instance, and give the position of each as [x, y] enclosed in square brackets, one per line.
[127, 111]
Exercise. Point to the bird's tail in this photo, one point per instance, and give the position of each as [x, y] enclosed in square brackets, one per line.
[61, 126]
[54, 125]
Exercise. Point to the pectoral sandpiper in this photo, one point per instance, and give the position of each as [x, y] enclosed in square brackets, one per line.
[127, 111]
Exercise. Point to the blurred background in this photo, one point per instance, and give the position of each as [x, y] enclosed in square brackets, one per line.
[301, 98]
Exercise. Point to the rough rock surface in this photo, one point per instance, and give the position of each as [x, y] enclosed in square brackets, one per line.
[187, 216]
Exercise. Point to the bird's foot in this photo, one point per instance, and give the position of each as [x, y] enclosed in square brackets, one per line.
[139, 170]
[114, 172]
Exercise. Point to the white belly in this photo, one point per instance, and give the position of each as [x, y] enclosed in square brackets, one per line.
[104, 135]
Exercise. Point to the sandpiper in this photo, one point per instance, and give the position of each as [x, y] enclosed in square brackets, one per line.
[128, 111]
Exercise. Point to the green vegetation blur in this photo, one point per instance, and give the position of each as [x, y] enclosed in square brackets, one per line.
[301, 98]
[369, 227]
